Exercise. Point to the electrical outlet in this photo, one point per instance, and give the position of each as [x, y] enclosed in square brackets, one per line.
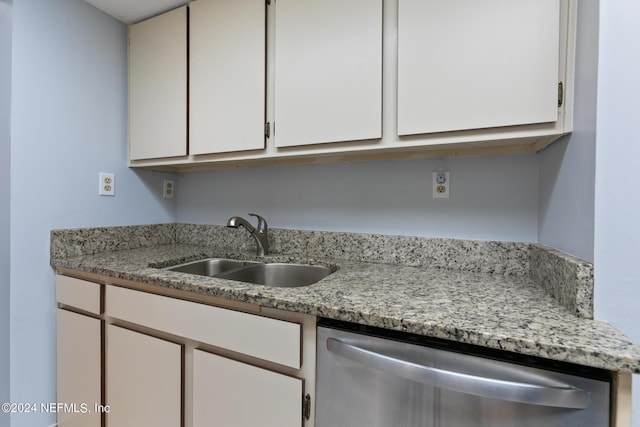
[168, 189]
[107, 184]
[441, 184]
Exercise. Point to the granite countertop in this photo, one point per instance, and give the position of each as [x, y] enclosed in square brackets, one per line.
[491, 310]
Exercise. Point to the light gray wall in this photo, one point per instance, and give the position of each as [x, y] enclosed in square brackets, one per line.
[617, 228]
[5, 141]
[69, 106]
[491, 197]
[567, 167]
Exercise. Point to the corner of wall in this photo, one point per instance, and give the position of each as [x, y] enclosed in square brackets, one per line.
[566, 169]
[5, 190]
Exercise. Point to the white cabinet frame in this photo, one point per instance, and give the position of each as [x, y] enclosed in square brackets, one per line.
[328, 71]
[158, 86]
[237, 394]
[227, 76]
[520, 138]
[468, 64]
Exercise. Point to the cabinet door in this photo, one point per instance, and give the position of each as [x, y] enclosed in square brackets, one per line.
[158, 86]
[469, 64]
[143, 380]
[226, 75]
[328, 71]
[233, 394]
[79, 368]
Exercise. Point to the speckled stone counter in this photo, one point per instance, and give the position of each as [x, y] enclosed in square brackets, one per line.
[568, 279]
[501, 311]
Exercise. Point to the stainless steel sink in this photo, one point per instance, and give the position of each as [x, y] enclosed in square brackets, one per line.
[279, 274]
[286, 275]
[211, 267]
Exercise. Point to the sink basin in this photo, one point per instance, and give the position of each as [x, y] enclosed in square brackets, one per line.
[285, 275]
[279, 274]
[211, 267]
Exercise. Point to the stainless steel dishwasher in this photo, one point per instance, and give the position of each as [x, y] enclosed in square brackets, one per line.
[369, 377]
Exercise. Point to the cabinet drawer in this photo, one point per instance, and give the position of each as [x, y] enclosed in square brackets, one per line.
[78, 293]
[269, 339]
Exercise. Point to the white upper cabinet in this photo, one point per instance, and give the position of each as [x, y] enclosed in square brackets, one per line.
[158, 86]
[457, 77]
[328, 71]
[226, 76]
[469, 64]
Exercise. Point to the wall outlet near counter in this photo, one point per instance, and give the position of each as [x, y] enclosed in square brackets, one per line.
[107, 184]
[168, 189]
[441, 184]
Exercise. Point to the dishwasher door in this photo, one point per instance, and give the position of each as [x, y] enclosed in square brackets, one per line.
[369, 381]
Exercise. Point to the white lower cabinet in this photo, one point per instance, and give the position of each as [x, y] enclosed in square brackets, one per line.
[156, 361]
[78, 368]
[236, 394]
[78, 352]
[143, 380]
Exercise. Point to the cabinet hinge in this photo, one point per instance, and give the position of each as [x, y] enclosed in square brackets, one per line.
[560, 94]
[306, 407]
[267, 129]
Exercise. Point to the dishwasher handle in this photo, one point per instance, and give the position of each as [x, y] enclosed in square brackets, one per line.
[561, 395]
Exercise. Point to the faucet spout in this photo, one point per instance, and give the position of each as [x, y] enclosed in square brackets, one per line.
[259, 233]
[236, 221]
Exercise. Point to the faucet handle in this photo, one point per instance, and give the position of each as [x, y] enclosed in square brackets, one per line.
[262, 223]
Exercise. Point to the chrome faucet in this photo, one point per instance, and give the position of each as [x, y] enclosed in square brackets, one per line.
[259, 233]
